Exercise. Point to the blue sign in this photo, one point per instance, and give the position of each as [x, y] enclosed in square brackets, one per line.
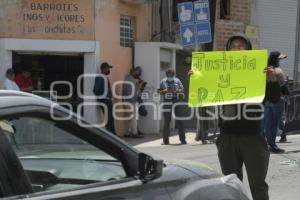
[201, 10]
[185, 13]
[203, 31]
[187, 35]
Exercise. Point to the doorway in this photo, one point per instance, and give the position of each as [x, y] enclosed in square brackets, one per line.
[48, 68]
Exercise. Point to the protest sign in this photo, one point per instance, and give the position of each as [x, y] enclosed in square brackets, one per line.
[227, 77]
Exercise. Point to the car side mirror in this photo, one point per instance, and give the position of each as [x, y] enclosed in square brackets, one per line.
[149, 168]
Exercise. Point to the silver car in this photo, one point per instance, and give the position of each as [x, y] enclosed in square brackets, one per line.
[47, 152]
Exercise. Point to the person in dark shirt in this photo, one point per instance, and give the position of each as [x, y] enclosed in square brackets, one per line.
[240, 141]
[102, 90]
[274, 100]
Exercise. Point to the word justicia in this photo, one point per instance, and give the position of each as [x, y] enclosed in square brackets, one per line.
[225, 62]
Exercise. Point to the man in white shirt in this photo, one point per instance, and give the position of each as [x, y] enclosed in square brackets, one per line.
[9, 83]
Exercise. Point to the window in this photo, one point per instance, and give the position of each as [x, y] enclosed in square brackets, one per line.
[55, 159]
[225, 9]
[126, 31]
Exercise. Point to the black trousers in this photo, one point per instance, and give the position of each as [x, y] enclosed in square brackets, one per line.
[108, 114]
[251, 150]
[203, 128]
[179, 112]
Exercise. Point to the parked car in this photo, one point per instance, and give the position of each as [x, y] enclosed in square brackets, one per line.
[46, 152]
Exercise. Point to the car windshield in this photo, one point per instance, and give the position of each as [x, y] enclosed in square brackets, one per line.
[45, 149]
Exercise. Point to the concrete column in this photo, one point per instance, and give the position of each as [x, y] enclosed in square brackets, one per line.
[91, 68]
[5, 61]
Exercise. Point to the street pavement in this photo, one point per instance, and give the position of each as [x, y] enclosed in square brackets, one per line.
[284, 169]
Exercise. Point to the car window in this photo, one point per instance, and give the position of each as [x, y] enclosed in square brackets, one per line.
[54, 159]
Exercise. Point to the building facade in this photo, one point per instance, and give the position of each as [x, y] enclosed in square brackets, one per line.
[271, 25]
[232, 16]
[60, 40]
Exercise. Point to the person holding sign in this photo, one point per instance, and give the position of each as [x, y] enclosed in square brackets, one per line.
[172, 90]
[240, 141]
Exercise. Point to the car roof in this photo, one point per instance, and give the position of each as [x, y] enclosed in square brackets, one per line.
[11, 98]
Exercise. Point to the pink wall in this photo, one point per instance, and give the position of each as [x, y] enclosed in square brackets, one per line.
[107, 29]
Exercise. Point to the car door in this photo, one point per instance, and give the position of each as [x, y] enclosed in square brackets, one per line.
[64, 160]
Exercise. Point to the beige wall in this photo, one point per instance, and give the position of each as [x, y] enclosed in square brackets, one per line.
[47, 19]
[108, 33]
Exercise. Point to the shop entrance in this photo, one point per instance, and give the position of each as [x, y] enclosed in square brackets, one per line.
[47, 68]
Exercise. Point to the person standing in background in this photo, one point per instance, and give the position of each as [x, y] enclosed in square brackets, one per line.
[130, 95]
[274, 100]
[203, 126]
[24, 81]
[172, 89]
[141, 85]
[102, 90]
[9, 83]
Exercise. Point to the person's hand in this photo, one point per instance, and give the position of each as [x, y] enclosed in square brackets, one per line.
[269, 70]
[190, 72]
[163, 91]
[282, 56]
[171, 90]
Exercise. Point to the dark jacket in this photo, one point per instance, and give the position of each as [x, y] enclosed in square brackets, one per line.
[276, 87]
[239, 125]
[102, 88]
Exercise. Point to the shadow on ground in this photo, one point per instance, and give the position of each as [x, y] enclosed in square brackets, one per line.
[145, 139]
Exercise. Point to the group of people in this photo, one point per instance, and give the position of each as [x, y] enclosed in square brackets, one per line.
[170, 87]
[19, 82]
[241, 141]
[132, 89]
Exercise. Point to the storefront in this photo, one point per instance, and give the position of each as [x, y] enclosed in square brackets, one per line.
[55, 42]
[55, 60]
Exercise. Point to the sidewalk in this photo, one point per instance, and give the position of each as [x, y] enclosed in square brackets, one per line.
[156, 140]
